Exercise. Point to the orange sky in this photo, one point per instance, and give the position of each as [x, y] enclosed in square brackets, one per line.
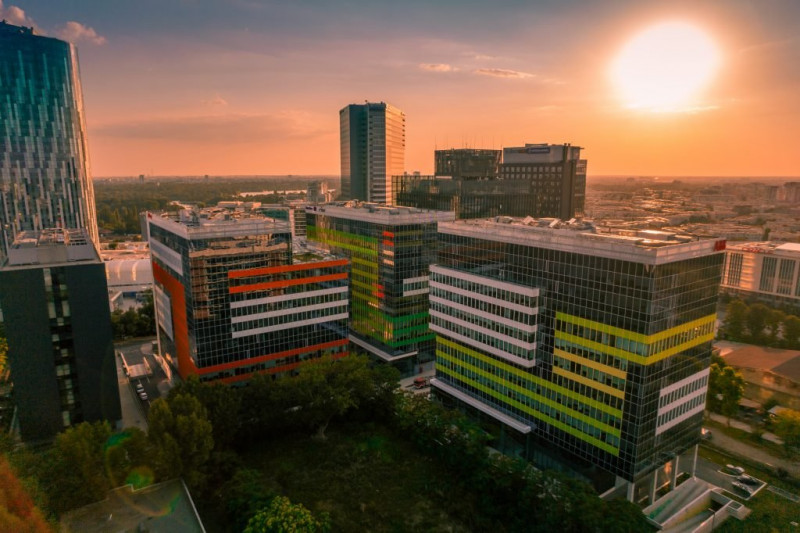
[255, 86]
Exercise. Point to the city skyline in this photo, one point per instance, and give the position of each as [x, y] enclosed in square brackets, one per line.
[261, 83]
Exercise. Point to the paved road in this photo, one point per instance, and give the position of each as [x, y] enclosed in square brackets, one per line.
[744, 449]
[156, 385]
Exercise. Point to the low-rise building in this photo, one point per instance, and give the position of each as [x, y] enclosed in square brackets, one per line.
[765, 271]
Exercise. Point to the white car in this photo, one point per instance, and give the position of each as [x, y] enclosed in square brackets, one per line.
[738, 470]
[139, 388]
[143, 396]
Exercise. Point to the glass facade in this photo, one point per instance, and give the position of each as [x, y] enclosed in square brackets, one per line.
[45, 180]
[592, 361]
[390, 251]
[237, 302]
[466, 198]
[372, 143]
[467, 163]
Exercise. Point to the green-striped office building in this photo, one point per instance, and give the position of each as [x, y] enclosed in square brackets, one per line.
[391, 249]
[594, 345]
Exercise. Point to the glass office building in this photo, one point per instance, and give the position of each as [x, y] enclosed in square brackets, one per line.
[390, 250]
[466, 198]
[538, 180]
[44, 165]
[373, 148]
[58, 323]
[467, 163]
[598, 345]
[556, 174]
[232, 300]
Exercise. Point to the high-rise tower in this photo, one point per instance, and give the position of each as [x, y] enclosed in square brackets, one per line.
[373, 148]
[45, 180]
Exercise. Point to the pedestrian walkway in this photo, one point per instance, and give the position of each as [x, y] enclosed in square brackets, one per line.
[744, 426]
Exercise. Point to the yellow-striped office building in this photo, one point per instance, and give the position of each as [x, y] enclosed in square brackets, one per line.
[594, 345]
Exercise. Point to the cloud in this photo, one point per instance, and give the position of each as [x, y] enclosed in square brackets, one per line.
[223, 129]
[437, 67]
[15, 15]
[217, 100]
[502, 73]
[76, 32]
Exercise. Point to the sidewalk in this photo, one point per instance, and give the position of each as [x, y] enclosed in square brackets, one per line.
[743, 449]
[771, 437]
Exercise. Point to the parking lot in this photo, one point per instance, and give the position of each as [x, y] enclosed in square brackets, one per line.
[144, 382]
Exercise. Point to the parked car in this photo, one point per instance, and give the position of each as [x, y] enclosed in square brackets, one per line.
[744, 478]
[139, 388]
[737, 469]
[742, 487]
[143, 396]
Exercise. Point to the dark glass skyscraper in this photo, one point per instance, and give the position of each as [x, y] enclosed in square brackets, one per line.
[55, 303]
[45, 180]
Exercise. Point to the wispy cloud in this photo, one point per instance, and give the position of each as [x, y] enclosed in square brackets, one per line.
[437, 67]
[229, 128]
[502, 73]
[75, 32]
[16, 15]
[217, 100]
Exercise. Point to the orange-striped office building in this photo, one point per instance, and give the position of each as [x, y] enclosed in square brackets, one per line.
[232, 300]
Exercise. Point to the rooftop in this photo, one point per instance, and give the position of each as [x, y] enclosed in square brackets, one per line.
[217, 221]
[51, 246]
[381, 213]
[767, 247]
[165, 507]
[581, 236]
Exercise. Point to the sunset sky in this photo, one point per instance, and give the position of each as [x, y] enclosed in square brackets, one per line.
[255, 86]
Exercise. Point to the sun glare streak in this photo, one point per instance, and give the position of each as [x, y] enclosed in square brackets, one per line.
[663, 68]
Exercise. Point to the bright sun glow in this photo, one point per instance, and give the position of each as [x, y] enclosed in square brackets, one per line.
[663, 68]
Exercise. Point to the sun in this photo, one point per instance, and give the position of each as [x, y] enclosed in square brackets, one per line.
[664, 67]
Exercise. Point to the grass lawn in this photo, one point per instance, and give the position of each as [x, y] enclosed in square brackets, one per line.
[771, 512]
[366, 479]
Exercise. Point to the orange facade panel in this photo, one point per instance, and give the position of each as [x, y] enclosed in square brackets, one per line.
[285, 283]
[285, 268]
[180, 326]
[270, 357]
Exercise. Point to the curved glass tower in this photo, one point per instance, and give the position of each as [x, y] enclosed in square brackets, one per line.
[45, 179]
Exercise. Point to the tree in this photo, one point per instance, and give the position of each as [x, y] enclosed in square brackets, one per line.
[73, 471]
[788, 428]
[222, 404]
[791, 332]
[725, 389]
[325, 388]
[756, 321]
[774, 318]
[17, 510]
[735, 317]
[244, 495]
[283, 516]
[182, 435]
